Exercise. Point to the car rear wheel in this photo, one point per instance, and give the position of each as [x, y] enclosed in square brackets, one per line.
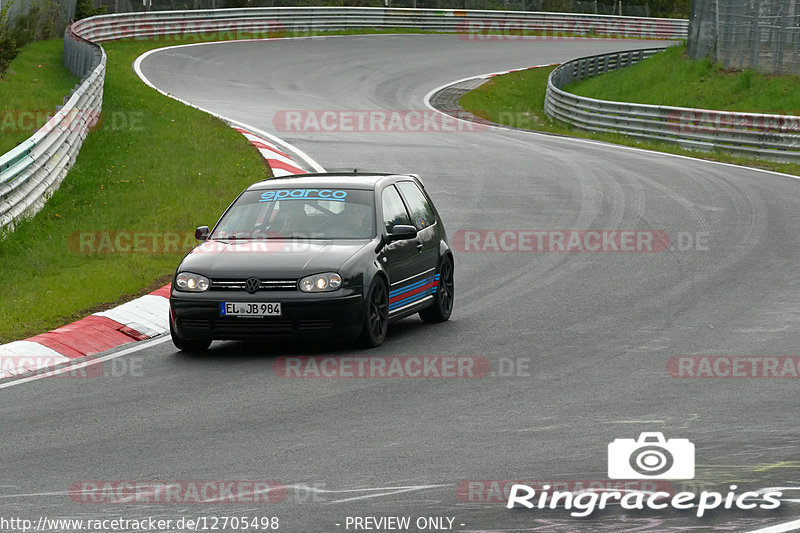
[442, 306]
[191, 346]
[376, 319]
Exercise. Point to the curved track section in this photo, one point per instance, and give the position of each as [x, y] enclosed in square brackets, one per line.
[589, 335]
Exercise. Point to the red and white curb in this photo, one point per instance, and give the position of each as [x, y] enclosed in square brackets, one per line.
[139, 319]
[280, 162]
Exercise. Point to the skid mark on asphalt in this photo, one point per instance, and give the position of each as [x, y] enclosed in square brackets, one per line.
[779, 464]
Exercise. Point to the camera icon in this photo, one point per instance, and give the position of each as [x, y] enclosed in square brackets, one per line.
[651, 457]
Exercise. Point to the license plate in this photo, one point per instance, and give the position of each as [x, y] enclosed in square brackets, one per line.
[253, 309]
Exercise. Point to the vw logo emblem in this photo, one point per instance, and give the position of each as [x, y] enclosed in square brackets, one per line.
[252, 285]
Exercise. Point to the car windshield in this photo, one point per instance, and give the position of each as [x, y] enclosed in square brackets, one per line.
[299, 213]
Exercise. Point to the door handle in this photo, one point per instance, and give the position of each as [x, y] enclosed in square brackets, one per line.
[419, 246]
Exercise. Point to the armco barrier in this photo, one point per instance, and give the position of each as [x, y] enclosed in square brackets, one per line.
[306, 19]
[775, 137]
[34, 169]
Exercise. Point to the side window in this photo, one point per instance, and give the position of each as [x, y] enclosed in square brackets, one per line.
[394, 212]
[421, 211]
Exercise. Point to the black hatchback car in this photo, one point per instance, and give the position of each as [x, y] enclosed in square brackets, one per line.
[335, 254]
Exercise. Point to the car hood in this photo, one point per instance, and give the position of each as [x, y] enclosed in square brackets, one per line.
[276, 259]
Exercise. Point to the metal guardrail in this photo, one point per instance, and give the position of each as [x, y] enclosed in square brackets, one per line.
[775, 137]
[34, 169]
[306, 19]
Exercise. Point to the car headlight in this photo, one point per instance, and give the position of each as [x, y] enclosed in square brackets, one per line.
[329, 281]
[186, 281]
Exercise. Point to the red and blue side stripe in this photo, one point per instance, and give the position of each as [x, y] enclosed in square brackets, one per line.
[413, 292]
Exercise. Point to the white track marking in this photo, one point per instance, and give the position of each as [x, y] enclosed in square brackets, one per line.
[794, 525]
[87, 361]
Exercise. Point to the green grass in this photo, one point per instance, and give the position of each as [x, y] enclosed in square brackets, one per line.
[517, 99]
[154, 165]
[34, 84]
[670, 78]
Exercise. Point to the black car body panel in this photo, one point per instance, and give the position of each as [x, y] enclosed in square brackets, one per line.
[279, 259]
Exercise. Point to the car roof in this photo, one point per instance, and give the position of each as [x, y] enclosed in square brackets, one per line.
[349, 180]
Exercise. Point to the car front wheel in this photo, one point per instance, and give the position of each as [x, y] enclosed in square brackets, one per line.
[376, 319]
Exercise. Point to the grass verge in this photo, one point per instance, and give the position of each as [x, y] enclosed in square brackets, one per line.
[34, 84]
[670, 78]
[517, 99]
[153, 169]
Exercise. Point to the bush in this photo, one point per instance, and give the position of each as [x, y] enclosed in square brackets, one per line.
[85, 9]
[8, 44]
[44, 20]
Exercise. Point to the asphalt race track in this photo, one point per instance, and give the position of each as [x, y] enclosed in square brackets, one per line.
[579, 342]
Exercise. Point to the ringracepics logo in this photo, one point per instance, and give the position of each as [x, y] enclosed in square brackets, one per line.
[650, 457]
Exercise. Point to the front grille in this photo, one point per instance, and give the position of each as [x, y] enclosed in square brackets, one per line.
[266, 284]
[195, 323]
[314, 324]
[253, 326]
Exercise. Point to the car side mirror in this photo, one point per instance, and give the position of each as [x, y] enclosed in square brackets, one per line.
[402, 232]
[201, 233]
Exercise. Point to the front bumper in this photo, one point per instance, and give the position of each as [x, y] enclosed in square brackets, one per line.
[338, 314]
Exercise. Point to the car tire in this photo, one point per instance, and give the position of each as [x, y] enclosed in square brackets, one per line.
[376, 315]
[442, 306]
[191, 346]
